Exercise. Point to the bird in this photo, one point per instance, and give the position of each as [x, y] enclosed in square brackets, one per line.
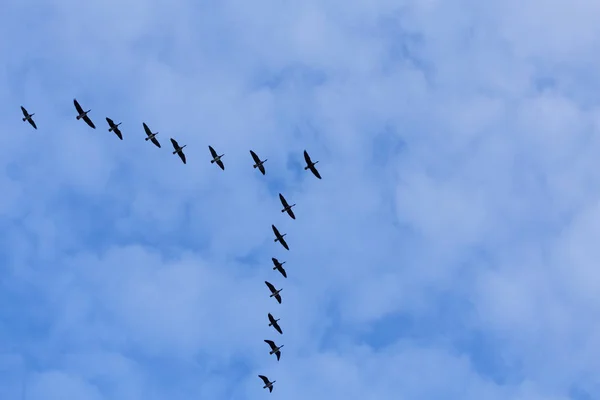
[274, 348]
[151, 136]
[258, 163]
[311, 165]
[216, 158]
[286, 207]
[83, 114]
[279, 266]
[268, 384]
[178, 149]
[279, 237]
[274, 324]
[27, 117]
[114, 128]
[274, 292]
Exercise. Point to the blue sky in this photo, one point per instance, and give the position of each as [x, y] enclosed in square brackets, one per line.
[450, 251]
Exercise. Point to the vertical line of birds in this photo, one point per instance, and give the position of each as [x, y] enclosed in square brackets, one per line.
[216, 159]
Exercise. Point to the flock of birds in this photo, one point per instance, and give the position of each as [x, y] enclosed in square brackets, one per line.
[216, 158]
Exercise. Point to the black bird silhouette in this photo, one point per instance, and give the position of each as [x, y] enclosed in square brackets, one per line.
[274, 348]
[279, 266]
[286, 207]
[27, 117]
[258, 163]
[178, 149]
[216, 158]
[114, 128]
[274, 292]
[151, 136]
[311, 165]
[279, 237]
[268, 384]
[83, 114]
[274, 324]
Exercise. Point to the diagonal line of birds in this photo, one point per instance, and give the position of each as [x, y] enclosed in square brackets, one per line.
[216, 159]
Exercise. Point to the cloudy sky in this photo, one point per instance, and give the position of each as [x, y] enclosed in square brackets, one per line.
[449, 252]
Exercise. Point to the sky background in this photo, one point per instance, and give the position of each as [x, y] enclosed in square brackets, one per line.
[449, 252]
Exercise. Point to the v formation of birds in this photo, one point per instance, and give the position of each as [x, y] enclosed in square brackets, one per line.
[216, 159]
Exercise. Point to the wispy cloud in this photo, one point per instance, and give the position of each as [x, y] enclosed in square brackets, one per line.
[448, 253]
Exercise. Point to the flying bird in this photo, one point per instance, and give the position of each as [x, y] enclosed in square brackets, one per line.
[274, 292]
[274, 348]
[83, 114]
[258, 163]
[27, 117]
[279, 266]
[151, 136]
[268, 384]
[114, 128]
[279, 237]
[274, 324]
[311, 165]
[286, 207]
[216, 158]
[178, 149]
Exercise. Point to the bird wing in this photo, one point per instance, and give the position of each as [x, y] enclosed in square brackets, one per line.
[276, 232]
[282, 270]
[307, 158]
[118, 133]
[315, 172]
[278, 298]
[255, 157]
[284, 243]
[271, 319]
[182, 156]
[213, 153]
[148, 131]
[24, 111]
[270, 343]
[264, 379]
[155, 141]
[77, 106]
[174, 143]
[220, 164]
[261, 168]
[89, 122]
[111, 123]
[32, 122]
[277, 328]
[270, 286]
[270, 389]
[278, 354]
[283, 200]
[291, 213]
[275, 261]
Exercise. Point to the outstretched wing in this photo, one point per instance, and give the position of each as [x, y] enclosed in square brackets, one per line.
[277, 327]
[174, 143]
[261, 168]
[255, 157]
[182, 156]
[213, 153]
[270, 343]
[155, 141]
[24, 111]
[315, 172]
[32, 122]
[278, 354]
[111, 123]
[117, 132]
[276, 232]
[291, 213]
[282, 270]
[148, 131]
[270, 389]
[77, 106]
[270, 286]
[264, 379]
[220, 164]
[89, 122]
[278, 298]
[307, 158]
[284, 202]
[275, 261]
[284, 243]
